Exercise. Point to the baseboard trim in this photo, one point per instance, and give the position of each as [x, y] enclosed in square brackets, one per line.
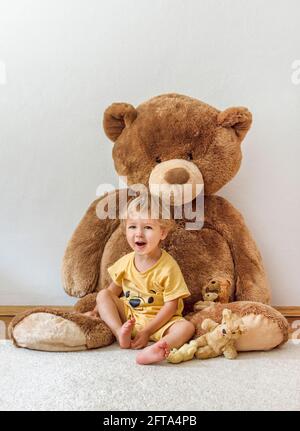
[288, 311]
[8, 312]
[13, 310]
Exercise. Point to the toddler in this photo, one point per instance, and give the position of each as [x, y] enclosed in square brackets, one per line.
[153, 288]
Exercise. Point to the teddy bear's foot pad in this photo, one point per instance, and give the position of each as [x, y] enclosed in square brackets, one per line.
[45, 331]
[52, 330]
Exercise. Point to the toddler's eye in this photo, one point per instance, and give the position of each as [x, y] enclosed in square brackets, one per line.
[148, 227]
[131, 227]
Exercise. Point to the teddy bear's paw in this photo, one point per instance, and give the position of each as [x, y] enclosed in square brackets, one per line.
[201, 305]
[184, 353]
[175, 356]
[230, 353]
[58, 332]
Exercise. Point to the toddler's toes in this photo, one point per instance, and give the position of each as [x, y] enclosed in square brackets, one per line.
[164, 346]
[167, 352]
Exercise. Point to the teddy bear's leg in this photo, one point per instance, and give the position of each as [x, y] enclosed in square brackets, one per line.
[184, 353]
[190, 351]
[230, 352]
[85, 304]
[175, 356]
[205, 352]
[201, 341]
[53, 330]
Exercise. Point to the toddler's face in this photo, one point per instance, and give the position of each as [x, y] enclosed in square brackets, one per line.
[143, 235]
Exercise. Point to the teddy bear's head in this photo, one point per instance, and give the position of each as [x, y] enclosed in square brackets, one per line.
[175, 139]
[231, 326]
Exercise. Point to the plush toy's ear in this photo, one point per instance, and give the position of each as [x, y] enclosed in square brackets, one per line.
[226, 314]
[239, 118]
[116, 117]
[242, 327]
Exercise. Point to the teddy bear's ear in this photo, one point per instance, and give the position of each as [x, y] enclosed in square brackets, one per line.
[226, 314]
[238, 118]
[116, 117]
[242, 327]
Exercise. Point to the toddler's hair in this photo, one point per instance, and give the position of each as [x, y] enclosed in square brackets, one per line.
[152, 207]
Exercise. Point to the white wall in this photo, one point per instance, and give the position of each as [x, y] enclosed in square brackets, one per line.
[63, 62]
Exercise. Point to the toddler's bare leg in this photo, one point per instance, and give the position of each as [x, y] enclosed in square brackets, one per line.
[175, 336]
[111, 311]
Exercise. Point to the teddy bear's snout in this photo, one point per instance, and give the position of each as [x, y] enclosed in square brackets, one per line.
[177, 176]
[179, 179]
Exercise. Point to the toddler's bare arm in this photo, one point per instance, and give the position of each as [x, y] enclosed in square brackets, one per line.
[115, 288]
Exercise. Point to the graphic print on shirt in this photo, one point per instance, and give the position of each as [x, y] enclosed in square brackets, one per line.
[139, 300]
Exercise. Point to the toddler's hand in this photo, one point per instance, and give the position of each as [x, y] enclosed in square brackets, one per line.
[140, 340]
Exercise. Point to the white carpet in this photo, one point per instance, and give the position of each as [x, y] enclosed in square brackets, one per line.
[109, 379]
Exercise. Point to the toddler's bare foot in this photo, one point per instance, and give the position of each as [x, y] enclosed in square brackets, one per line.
[124, 335]
[155, 353]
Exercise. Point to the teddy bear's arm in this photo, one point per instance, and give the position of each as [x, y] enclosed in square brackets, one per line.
[230, 351]
[81, 261]
[251, 280]
[201, 341]
[209, 325]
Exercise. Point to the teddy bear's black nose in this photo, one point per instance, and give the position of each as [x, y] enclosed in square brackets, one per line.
[134, 302]
[177, 176]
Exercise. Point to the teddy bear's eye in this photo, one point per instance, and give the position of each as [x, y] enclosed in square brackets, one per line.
[158, 159]
[190, 156]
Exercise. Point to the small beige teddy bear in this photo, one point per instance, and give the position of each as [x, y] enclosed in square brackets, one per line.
[219, 339]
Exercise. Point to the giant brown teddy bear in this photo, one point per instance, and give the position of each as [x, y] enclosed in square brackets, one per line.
[177, 139]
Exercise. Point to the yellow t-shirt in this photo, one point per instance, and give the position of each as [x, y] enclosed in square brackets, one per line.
[146, 292]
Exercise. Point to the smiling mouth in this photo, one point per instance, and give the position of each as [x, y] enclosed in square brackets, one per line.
[140, 243]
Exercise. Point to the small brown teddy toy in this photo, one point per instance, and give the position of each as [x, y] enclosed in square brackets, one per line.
[216, 290]
[220, 339]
